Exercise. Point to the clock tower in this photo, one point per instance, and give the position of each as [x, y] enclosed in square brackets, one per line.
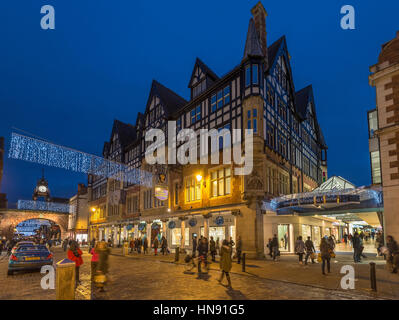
[41, 189]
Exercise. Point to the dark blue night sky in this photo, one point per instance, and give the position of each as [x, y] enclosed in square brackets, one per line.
[68, 84]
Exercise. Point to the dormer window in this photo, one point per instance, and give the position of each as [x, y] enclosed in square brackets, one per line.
[199, 88]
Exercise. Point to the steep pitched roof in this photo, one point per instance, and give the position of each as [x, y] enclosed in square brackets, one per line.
[170, 100]
[252, 44]
[126, 132]
[273, 49]
[302, 97]
[205, 69]
[301, 101]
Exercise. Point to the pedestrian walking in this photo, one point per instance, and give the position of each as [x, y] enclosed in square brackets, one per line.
[393, 254]
[300, 249]
[231, 244]
[131, 245]
[94, 262]
[356, 247]
[346, 239]
[65, 244]
[75, 254]
[212, 248]
[164, 245]
[156, 244]
[194, 245]
[269, 245]
[325, 252]
[202, 254]
[139, 244]
[101, 273]
[217, 246]
[274, 245]
[310, 250]
[225, 262]
[92, 244]
[145, 245]
[239, 249]
[285, 240]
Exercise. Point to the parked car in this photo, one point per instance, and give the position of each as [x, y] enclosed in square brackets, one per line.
[30, 257]
[22, 243]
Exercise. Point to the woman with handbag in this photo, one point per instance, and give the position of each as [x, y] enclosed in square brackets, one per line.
[300, 249]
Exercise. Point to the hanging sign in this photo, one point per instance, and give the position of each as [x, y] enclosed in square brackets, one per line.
[161, 193]
[219, 220]
[155, 225]
[142, 226]
[192, 222]
[171, 225]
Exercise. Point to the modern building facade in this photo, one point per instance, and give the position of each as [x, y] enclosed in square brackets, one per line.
[78, 219]
[385, 151]
[289, 155]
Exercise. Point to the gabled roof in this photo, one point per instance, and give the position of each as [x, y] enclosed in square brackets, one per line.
[205, 69]
[272, 50]
[253, 47]
[171, 101]
[302, 98]
[126, 132]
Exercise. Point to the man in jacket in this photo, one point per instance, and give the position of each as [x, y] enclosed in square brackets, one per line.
[310, 249]
[212, 248]
[356, 247]
[274, 246]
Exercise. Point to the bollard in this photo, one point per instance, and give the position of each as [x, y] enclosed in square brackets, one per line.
[243, 262]
[177, 254]
[373, 279]
[65, 280]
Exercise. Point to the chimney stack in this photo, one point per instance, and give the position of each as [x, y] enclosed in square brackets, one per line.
[259, 13]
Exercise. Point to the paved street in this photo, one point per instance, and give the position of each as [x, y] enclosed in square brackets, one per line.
[148, 277]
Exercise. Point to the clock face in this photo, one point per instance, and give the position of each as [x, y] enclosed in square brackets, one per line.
[42, 189]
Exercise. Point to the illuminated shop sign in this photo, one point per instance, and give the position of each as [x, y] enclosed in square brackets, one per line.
[161, 193]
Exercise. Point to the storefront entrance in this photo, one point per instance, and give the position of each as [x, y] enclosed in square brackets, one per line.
[283, 237]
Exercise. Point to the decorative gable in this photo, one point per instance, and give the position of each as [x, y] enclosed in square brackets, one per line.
[202, 77]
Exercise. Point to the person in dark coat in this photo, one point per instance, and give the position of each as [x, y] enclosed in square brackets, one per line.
[356, 247]
[274, 245]
[194, 245]
[269, 245]
[325, 251]
[231, 244]
[300, 249]
[202, 253]
[164, 245]
[346, 239]
[65, 244]
[393, 253]
[225, 261]
[239, 249]
[212, 248]
[310, 250]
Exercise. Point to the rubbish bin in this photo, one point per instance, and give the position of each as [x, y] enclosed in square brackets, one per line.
[65, 280]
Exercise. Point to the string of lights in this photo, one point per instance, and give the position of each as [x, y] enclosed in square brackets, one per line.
[49, 154]
[43, 206]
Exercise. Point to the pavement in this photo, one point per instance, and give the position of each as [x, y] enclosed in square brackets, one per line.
[142, 277]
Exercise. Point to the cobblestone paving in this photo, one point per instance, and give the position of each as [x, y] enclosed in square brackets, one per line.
[140, 278]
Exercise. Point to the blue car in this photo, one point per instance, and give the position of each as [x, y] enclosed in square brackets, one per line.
[31, 257]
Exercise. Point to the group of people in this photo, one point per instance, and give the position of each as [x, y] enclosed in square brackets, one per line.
[99, 260]
[225, 251]
[140, 245]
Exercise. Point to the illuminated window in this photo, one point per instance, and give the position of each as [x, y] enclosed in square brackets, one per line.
[220, 182]
[193, 189]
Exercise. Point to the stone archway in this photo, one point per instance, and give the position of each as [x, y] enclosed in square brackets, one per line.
[10, 218]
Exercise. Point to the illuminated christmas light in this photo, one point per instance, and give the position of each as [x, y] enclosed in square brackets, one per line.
[44, 206]
[52, 155]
